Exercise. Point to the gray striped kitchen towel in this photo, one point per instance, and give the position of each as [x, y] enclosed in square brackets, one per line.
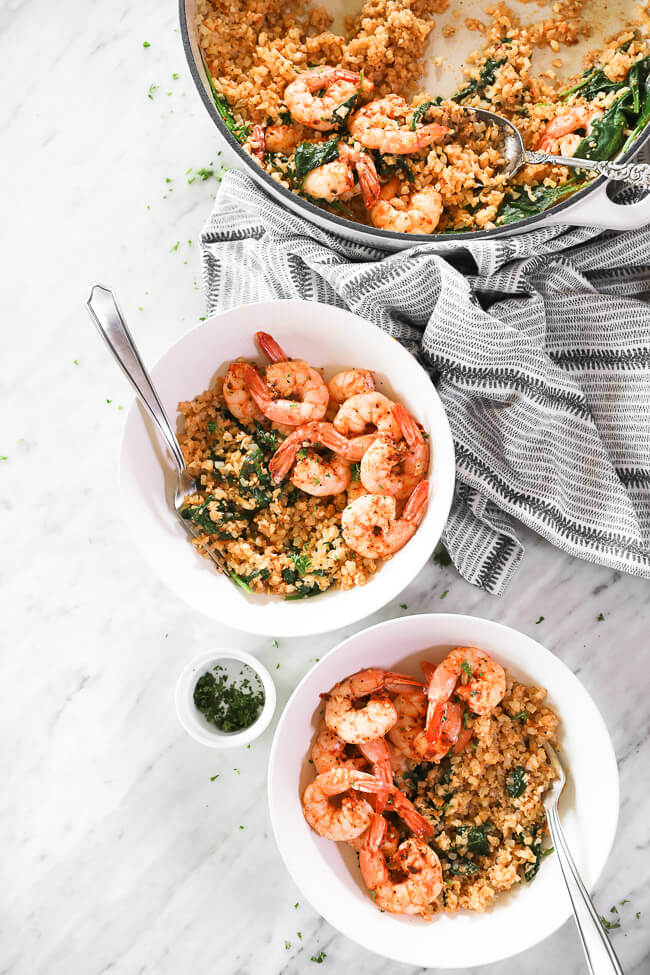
[538, 344]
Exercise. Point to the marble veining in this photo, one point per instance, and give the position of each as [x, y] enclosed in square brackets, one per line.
[120, 855]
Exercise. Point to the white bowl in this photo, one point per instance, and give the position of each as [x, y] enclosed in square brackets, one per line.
[327, 337]
[327, 874]
[191, 718]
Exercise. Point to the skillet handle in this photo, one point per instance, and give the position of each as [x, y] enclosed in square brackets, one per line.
[597, 210]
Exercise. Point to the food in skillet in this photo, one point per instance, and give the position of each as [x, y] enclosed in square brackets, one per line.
[437, 784]
[304, 485]
[340, 119]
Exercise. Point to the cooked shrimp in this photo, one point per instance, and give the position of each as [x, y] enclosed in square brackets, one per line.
[388, 845]
[364, 410]
[395, 467]
[467, 673]
[349, 383]
[378, 754]
[371, 527]
[576, 117]
[280, 138]
[336, 180]
[285, 379]
[408, 734]
[255, 143]
[329, 751]
[308, 465]
[237, 395]
[410, 213]
[356, 490]
[329, 110]
[320, 476]
[408, 881]
[381, 125]
[348, 816]
[360, 724]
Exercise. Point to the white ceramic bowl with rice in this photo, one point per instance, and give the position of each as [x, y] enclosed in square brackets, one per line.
[327, 873]
[326, 337]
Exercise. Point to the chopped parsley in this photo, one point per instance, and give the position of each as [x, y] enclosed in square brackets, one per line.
[444, 594]
[355, 471]
[516, 782]
[521, 716]
[228, 704]
[600, 617]
[152, 88]
[146, 44]
[213, 778]
[466, 668]
[319, 958]
[540, 620]
[441, 556]
[609, 925]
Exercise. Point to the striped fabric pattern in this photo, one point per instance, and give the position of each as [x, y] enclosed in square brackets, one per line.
[538, 344]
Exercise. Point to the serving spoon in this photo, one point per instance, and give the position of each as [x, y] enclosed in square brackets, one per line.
[111, 325]
[516, 155]
[601, 958]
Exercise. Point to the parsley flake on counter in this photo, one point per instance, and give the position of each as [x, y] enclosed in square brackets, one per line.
[441, 556]
[76, 362]
[277, 666]
[213, 778]
[319, 958]
[274, 643]
[287, 945]
[540, 620]
[403, 606]
[600, 618]
[609, 925]
[152, 88]
[444, 594]
[146, 44]
[175, 76]
[175, 247]
[296, 904]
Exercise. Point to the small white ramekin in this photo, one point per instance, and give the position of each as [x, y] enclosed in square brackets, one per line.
[191, 718]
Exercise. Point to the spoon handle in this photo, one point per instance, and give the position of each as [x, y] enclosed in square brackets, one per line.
[601, 959]
[110, 323]
[637, 174]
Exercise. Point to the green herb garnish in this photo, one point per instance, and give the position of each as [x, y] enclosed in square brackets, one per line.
[486, 77]
[311, 155]
[226, 703]
[516, 782]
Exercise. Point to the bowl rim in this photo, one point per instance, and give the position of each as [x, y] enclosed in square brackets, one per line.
[184, 701]
[306, 623]
[607, 761]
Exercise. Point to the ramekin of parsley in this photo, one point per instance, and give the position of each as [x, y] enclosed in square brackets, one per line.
[225, 698]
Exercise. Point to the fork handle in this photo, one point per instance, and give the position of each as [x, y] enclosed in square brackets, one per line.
[601, 959]
[110, 323]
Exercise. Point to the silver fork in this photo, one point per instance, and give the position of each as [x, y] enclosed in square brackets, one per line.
[110, 323]
[601, 959]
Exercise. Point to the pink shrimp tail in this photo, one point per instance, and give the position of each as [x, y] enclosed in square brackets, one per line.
[416, 505]
[270, 347]
[368, 180]
[407, 811]
[410, 430]
[259, 390]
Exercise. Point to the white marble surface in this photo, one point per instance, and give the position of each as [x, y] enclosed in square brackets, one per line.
[119, 853]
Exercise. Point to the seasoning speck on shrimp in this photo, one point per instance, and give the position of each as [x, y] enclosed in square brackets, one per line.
[407, 213]
[324, 112]
[336, 180]
[408, 881]
[377, 715]
[392, 467]
[371, 526]
[469, 674]
[382, 125]
[285, 379]
[350, 814]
